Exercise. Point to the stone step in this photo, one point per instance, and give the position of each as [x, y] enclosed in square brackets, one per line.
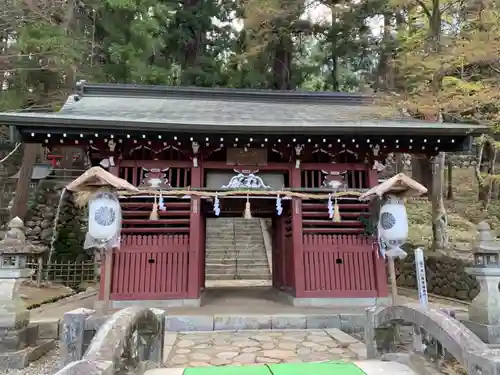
[233, 258]
[238, 245]
[240, 270]
[230, 239]
[238, 277]
[233, 262]
[234, 251]
[226, 234]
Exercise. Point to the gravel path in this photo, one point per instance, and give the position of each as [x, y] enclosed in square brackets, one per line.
[47, 365]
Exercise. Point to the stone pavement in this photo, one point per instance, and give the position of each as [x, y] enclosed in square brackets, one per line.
[222, 348]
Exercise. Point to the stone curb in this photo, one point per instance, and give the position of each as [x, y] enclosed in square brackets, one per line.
[186, 323]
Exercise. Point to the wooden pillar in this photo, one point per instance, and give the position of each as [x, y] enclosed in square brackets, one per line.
[195, 240]
[380, 263]
[297, 240]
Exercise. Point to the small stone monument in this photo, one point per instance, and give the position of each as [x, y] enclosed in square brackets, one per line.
[18, 339]
[484, 310]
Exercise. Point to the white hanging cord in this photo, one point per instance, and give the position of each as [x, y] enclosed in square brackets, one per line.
[330, 207]
[279, 207]
[18, 144]
[216, 205]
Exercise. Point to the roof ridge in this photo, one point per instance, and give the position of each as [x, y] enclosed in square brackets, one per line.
[159, 91]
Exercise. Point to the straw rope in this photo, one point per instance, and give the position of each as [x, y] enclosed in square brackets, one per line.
[82, 197]
[281, 193]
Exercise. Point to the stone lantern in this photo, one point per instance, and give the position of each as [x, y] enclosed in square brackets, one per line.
[484, 310]
[14, 317]
[486, 249]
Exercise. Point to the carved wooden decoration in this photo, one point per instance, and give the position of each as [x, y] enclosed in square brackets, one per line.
[246, 180]
[155, 178]
[246, 156]
[334, 180]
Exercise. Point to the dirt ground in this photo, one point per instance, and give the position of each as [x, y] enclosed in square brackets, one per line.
[34, 297]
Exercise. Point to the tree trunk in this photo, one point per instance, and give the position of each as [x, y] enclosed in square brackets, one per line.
[20, 204]
[491, 180]
[449, 194]
[439, 217]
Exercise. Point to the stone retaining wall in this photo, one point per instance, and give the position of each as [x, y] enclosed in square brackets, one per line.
[458, 160]
[70, 224]
[446, 276]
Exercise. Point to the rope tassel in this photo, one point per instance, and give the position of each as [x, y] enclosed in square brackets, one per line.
[154, 212]
[248, 213]
[336, 212]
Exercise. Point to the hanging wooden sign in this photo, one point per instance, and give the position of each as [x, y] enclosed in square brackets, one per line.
[246, 156]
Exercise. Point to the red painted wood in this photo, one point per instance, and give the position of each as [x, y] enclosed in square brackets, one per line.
[324, 214]
[144, 230]
[285, 167]
[151, 267]
[333, 230]
[155, 222]
[342, 206]
[166, 213]
[355, 276]
[156, 163]
[330, 167]
[183, 204]
[319, 222]
[195, 233]
[297, 252]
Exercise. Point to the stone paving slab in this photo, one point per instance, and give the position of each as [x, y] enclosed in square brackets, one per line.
[224, 348]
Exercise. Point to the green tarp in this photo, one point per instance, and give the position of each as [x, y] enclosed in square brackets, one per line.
[323, 368]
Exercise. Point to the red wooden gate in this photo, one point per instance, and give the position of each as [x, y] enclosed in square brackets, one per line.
[150, 267]
[341, 266]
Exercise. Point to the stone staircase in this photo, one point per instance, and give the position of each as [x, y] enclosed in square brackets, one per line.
[235, 250]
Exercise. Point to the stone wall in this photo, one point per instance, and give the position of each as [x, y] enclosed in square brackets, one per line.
[459, 160]
[446, 276]
[70, 225]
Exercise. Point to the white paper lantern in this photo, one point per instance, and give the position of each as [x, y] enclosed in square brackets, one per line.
[393, 226]
[104, 220]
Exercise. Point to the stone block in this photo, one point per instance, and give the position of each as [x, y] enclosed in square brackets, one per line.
[482, 363]
[156, 349]
[88, 367]
[48, 329]
[359, 349]
[13, 340]
[190, 323]
[14, 319]
[352, 322]
[72, 338]
[490, 334]
[238, 322]
[288, 321]
[340, 336]
[322, 321]
[22, 358]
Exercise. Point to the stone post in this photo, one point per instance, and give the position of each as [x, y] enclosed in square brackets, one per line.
[15, 332]
[72, 341]
[156, 350]
[484, 310]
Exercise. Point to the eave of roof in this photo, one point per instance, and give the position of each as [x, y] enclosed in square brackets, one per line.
[120, 108]
[55, 123]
